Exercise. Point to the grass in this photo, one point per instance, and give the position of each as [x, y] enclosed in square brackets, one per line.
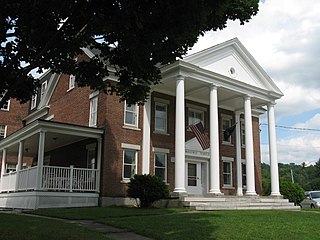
[217, 225]
[23, 227]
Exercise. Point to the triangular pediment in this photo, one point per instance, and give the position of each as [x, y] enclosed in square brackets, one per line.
[233, 60]
[193, 145]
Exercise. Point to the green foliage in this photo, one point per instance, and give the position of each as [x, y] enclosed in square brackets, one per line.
[147, 189]
[134, 37]
[306, 176]
[292, 191]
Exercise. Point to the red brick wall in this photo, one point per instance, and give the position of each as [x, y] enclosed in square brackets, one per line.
[70, 106]
[13, 117]
[13, 120]
[115, 134]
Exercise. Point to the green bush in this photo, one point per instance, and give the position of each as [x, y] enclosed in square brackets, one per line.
[292, 191]
[147, 189]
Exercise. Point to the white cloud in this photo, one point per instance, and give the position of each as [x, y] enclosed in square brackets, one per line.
[303, 145]
[284, 38]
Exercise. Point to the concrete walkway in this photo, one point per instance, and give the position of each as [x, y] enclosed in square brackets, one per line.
[114, 233]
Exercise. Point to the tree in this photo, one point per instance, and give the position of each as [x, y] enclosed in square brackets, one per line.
[292, 191]
[135, 37]
[147, 189]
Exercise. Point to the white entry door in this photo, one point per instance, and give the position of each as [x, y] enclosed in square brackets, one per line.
[194, 178]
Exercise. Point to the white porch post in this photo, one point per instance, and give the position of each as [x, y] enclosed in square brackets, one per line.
[249, 147]
[273, 151]
[146, 137]
[238, 153]
[42, 136]
[3, 165]
[20, 160]
[214, 142]
[99, 149]
[180, 138]
[4, 161]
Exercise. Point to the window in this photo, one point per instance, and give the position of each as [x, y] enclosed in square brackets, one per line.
[3, 131]
[195, 116]
[226, 123]
[244, 174]
[6, 104]
[11, 167]
[43, 88]
[243, 133]
[91, 156]
[33, 101]
[93, 111]
[129, 163]
[72, 79]
[227, 171]
[160, 165]
[131, 115]
[161, 110]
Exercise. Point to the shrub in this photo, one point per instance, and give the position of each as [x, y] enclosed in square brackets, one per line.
[292, 191]
[147, 189]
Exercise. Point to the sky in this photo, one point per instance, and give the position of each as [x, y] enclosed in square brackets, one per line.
[284, 37]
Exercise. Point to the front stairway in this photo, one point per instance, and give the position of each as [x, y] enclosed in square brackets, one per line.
[207, 203]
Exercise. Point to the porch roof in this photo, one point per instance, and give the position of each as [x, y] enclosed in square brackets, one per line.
[57, 135]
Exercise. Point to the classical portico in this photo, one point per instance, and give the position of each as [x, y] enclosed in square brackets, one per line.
[223, 77]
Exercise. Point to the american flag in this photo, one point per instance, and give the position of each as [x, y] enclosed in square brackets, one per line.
[201, 136]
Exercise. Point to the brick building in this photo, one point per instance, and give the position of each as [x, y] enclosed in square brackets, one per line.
[85, 146]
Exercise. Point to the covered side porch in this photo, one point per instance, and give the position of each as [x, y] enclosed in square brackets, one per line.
[56, 165]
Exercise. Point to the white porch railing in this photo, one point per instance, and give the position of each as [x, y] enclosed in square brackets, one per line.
[53, 178]
[70, 179]
[8, 181]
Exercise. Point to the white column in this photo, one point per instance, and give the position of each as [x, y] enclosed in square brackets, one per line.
[180, 138]
[20, 160]
[214, 142]
[42, 136]
[4, 161]
[99, 152]
[238, 153]
[3, 166]
[146, 137]
[273, 151]
[249, 147]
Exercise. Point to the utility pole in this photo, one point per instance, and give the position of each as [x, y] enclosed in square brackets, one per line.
[292, 176]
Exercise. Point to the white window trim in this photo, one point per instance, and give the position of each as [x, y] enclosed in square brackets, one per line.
[33, 104]
[161, 150]
[93, 116]
[196, 110]
[135, 126]
[126, 180]
[7, 108]
[165, 163]
[71, 83]
[8, 104]
[43, 89]
[160, 103]
[131, 146]
[5, 130]
[230, 161]
[226, 117]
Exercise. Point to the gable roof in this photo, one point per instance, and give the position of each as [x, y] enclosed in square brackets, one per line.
[233, 60]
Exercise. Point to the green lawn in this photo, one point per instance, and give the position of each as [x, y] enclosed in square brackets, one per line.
[176, 224]
[14, 227]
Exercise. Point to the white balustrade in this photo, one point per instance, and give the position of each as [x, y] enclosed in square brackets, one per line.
[53, 179]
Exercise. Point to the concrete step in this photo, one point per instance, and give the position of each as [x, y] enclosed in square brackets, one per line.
[207, 203]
